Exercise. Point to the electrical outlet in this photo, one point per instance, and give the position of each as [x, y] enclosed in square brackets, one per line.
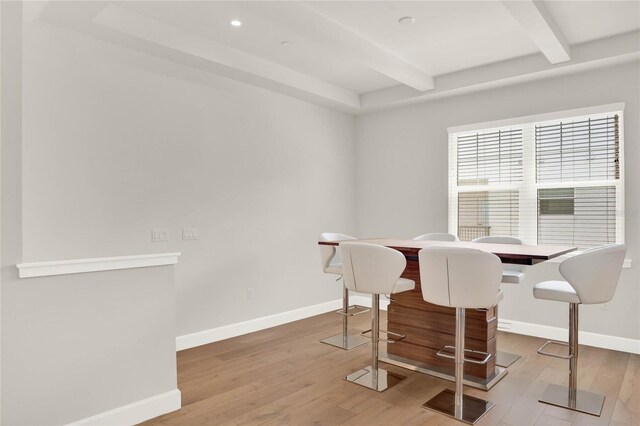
[249, 293]
[159, 235]
[189, 233]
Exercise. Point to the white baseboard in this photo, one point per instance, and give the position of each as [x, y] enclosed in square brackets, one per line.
[136, 412]
[517, 327]
[232, 330]
[587, 338]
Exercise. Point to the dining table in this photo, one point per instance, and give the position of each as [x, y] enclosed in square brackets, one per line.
[428, 328]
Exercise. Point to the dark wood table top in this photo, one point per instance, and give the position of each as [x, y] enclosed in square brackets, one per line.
[514, 253]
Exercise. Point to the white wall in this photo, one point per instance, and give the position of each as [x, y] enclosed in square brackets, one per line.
[402, 173]
[118, 142]
[73, 346]
[79, 345]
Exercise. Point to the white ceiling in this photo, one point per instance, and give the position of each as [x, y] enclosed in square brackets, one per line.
[582, 21]
[446, 37]
[348, 52]
[262, 37]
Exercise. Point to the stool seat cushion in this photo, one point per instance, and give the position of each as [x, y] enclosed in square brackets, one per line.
[334, 269]
[512, 277]
[404, 284]
[560, 291]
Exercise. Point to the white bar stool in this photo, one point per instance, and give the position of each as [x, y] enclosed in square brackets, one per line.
[460, 278]
[437, 236]
[592, 277]
[374, 269]
[511, 274]
[332, 264]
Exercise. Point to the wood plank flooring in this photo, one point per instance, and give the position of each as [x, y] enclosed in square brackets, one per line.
[285, 376]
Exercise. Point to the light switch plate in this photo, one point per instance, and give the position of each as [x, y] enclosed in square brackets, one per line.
[189, 233]
[159, 235]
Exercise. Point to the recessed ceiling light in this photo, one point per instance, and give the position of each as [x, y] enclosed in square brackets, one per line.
[285, 43]
[406, 20]
[236, 23]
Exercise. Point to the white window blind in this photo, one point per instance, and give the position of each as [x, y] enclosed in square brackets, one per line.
[490, 157]
[581, 150]
[557, 181]
[491, 160]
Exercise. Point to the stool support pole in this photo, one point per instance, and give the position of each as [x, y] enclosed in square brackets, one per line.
[570, 396]
[573, 352]
[375, 334]
[457, 405]
[345, 309]
[345, 340]
[371, 376]
[459, 360]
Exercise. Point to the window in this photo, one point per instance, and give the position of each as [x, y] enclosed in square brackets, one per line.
[556, 201]
[549, 179]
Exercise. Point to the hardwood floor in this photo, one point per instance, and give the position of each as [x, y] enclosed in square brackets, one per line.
[285, 376]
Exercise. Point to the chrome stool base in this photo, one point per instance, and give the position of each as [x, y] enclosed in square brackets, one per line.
[505, 359]
[380, 382]
[346, 341]
[472, 408]
[571, 397]
[584, 402]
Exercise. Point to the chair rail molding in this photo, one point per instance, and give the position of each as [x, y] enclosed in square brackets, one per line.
[77, 266]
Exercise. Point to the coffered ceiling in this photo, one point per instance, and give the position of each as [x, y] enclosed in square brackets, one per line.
[356, 55]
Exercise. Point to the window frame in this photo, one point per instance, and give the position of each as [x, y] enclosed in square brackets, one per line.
[528, 187]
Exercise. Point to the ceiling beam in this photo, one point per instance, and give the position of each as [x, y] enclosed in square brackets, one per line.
[534, 17]
[309, 22]
[586, 56]
[182, 46]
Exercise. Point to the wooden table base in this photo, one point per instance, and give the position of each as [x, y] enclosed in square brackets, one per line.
[428, 328]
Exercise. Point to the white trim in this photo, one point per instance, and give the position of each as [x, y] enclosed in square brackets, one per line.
[76, 266]
[136, 412]
[238, 329]
[556, 115]
[615, 343]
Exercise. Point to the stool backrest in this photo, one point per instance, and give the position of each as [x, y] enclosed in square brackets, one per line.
[502, 240]
[329, 254]
[437, 236]
[370, 268]
[594, 274]
[498, 240]
[459, 277]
